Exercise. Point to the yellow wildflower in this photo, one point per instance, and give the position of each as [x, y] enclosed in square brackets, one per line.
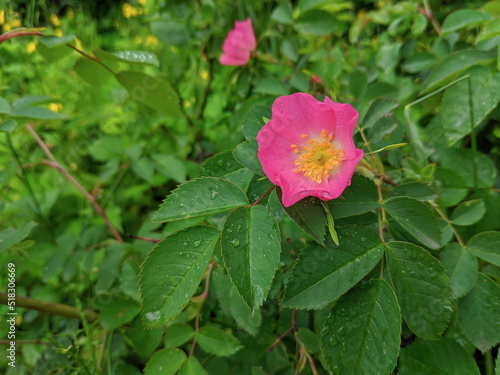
[78, 44]
[151, 41]
[73, 166]
[138, 40]
[6, 27]
[127, 10]
[54, 20]
[30, 47]
[16, 23]
[142, 2]
[55, 107]
[2, 16]
[58, 32]
[204, 75]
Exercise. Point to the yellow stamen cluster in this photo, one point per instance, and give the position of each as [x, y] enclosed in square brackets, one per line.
[318, 157]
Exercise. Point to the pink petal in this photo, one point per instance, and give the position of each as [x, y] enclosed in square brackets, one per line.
[227, 59]
[299, 114]
[238, 44]
[246, 30]
[346, 122]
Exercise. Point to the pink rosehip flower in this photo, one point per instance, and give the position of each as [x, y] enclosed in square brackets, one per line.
[307, 147]
[239, 43]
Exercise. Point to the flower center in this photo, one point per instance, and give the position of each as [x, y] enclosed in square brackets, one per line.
[317, 157]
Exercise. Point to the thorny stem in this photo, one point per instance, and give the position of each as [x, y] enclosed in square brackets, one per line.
[262, 196]
[428, 13]
[18, 32]
[154, 240]
[455, 233]
[202, 298]
[55, 164]
[292, 328]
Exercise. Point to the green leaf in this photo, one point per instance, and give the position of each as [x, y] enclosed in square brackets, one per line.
[10, 236]
[232, 304]
[4, 106]
[333, 268]
[360, 197]
[258, 371]
[479, 313]
[414, 189]
[202, 196]
[154, 92]
[220, 165]
[117, 310]
[378, 108]
[270, 86]
[419, 62]
[134, 57]
[456, 105]
[165, 362]
[486, 245]
[178, 334]
[469, 212]
[192, 367]
[218, 342]
[362, 333]
[254, 119]
[309, 339]
[92, 72]
[289, 49]
[381, 128]
[309, 215]
[461, 267]
[172, 271]
[144, 168]
[171, 32]
[54, 41]
[462, 161]
[417, 218]
[422, 287]
[315, 22]
[462, 18]
[145, 340]
[36, 113]
[444, 357]
[251, 249]
[448, 68]
[8, 125]
[170, 166]
[246, 154]
[283, 13]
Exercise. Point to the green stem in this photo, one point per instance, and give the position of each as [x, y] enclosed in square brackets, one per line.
[49, 307]
[26, 182]
[488, 363]
[472, 133]
[108, 352]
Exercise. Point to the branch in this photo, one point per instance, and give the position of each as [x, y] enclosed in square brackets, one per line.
[20, 32]
[50, 307]
[55, 164]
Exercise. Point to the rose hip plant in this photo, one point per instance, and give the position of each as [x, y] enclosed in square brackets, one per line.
[261, 188]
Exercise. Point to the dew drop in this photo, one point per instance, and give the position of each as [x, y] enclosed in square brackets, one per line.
[220, 162]
[363, 239]
[185, 243]
[152, 316]
[214, 194]
[235, 242]
[229, 230]
[196, 243]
